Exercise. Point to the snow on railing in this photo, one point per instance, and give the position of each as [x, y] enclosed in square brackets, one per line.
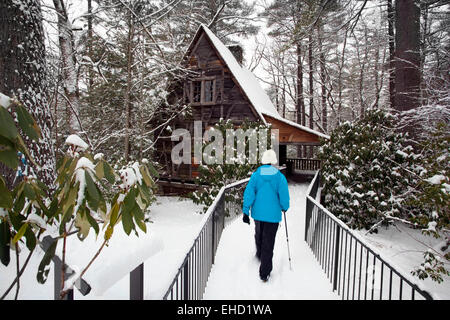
[356, 269]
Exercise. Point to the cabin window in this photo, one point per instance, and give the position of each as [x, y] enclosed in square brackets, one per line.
[203, 91]
[209, 90]
[196, 91]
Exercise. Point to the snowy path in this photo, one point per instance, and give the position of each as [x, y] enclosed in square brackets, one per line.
[235, 272]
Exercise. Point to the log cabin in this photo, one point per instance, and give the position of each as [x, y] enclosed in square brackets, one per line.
[218, 87]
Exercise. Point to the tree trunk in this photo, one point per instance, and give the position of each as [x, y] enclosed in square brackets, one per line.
[407, 55]
[127, 97]
[391, 22]
[322, 80]
[311, 88]
[90, 43]
[69, 74]
[301, 117]
[23, 74]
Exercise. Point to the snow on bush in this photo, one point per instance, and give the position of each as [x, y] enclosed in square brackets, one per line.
[364, 165]
[373, 175]
[76, 145]
[212, 177]
[5, 101]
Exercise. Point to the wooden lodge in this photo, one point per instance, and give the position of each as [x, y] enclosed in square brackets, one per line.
[216, 87]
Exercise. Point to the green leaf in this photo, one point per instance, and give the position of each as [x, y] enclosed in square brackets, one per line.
[16, 220]
[29, 192]
[114, 212]
[9, 158]
[66, 218]
[7, 126]
[71, 198]
[147, 179]
[43, 269]
[109, 173]
[82, 223]
[141, 225]
[30, 239]
[93, 194]
[27, 123]
[138, 213]
[20, 233]
[6, 200]
[153, 171]
[5, 239]
[92, 222]
[145, 192]
[53, 209]
[127, 221]
[6, 144]
[109, 231]
[99, 170]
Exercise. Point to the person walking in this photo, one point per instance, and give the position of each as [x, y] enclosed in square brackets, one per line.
[265, 197]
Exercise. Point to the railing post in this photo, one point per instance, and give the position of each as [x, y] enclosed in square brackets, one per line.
[213, 235]
[137, 283]
[308, 215]
[57, 282]
[186, 280]
[336, 256]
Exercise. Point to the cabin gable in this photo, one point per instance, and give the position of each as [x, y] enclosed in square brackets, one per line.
[212, 90]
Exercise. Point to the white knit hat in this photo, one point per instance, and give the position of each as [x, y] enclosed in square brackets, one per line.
[269, 157]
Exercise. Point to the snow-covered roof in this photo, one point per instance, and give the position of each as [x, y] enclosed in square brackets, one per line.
[299, 126]
[245, 78]
[250, 85]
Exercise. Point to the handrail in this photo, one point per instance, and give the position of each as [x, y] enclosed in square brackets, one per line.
[305, 163]
[192, 276]
[352, 264]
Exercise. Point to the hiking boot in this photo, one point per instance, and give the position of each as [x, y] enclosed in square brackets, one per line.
[264, 278]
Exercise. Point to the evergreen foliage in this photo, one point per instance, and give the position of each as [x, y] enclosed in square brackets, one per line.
[364, 165]
[372, 176]
[78, 204]
[212, 177]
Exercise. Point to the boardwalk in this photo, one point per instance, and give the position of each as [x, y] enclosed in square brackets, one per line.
[235, 272]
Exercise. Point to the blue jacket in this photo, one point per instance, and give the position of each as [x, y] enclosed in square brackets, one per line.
[266, 194]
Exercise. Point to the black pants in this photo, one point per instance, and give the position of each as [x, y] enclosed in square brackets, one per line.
[265, 233]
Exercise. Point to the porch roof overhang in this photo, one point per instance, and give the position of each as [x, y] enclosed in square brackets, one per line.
[291, 133]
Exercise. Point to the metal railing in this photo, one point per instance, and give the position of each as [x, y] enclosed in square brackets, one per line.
[190, 281]
[192, 276]
[356, 270]
[304, 164]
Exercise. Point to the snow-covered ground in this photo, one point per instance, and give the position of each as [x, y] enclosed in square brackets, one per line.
[404, 247]
[175, 224]
[235, 272]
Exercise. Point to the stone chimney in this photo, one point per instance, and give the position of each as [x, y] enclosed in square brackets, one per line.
[237, 51]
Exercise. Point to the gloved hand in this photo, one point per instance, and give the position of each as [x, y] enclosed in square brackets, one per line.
[245, 218]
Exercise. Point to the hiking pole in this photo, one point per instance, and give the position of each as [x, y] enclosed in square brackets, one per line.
[287, 239]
